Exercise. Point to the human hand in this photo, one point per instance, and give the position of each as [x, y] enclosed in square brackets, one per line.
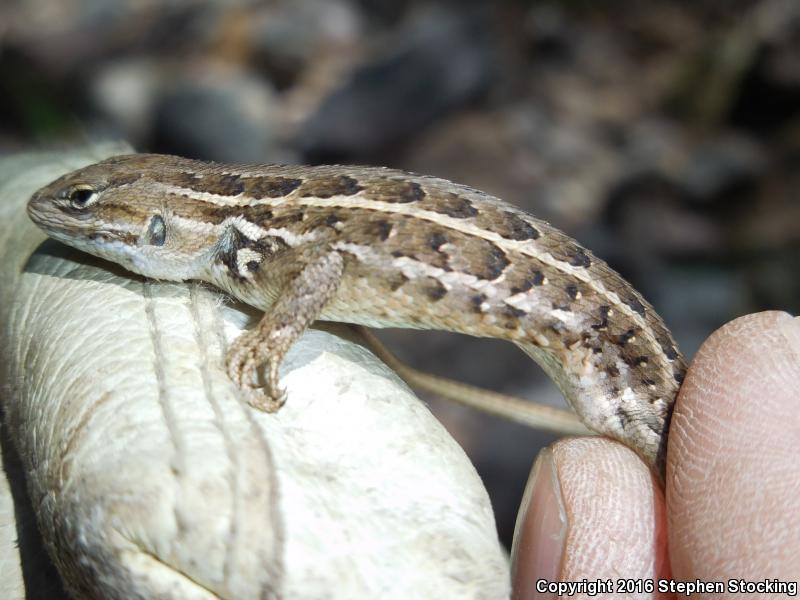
[593, 511]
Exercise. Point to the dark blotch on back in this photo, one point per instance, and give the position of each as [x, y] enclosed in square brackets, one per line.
[604, 311]
[396, 191]
[626, 337]
[511, 226]
[564, 248]
[452, 205]
[531, 278]
[635, 361]
[496, 262]
[270, 187]
[476, 302]
[327, 187]
[414, 192]
[435, 291]
[635, 305]
[579, 257]
[437, 240]
[182, 179]
[224, 184]
[521, 229]
[572, 291]
[396, 281]
[383, 228]
[513, 312]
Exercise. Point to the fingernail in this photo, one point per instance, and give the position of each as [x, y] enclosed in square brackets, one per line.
[540, 532]
[791, 331]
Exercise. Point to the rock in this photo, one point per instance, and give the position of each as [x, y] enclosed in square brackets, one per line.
[441, 60]
[285, 37]
[124, 92]
[221, 114]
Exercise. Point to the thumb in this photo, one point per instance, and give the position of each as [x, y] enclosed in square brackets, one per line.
[733, 474]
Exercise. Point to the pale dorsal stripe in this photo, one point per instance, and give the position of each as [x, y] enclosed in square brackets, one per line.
[525, 247]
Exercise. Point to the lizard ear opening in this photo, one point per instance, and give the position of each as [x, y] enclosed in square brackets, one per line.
[156, 231]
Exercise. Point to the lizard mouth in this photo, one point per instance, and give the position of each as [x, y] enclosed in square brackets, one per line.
[37, 207]
[53, 222]
[48, 220]
[88, 239]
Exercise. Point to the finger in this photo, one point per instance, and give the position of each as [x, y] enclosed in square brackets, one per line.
[733, 477]
[592, 510]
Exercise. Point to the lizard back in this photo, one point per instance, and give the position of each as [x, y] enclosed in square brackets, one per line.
[419, 252]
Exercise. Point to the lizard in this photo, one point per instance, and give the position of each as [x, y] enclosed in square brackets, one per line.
[379, 247]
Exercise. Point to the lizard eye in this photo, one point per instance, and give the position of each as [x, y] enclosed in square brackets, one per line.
[81, 197]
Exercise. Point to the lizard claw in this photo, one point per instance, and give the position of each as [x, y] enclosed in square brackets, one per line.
[243, 362]
[266, 400]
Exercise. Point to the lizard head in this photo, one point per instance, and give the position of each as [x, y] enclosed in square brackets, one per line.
[115, 210]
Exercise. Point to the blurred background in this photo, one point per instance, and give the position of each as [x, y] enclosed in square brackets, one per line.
[665, 136]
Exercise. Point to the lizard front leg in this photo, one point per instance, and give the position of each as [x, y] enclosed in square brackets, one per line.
[298, 305]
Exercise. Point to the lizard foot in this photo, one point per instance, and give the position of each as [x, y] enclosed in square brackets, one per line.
[243, 361]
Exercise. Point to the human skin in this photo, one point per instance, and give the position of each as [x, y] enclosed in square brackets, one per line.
[592, 509]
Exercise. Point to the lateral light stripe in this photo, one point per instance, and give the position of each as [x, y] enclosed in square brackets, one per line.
[525, 247]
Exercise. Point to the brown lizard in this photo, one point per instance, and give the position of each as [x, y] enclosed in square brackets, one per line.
[381, 248]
